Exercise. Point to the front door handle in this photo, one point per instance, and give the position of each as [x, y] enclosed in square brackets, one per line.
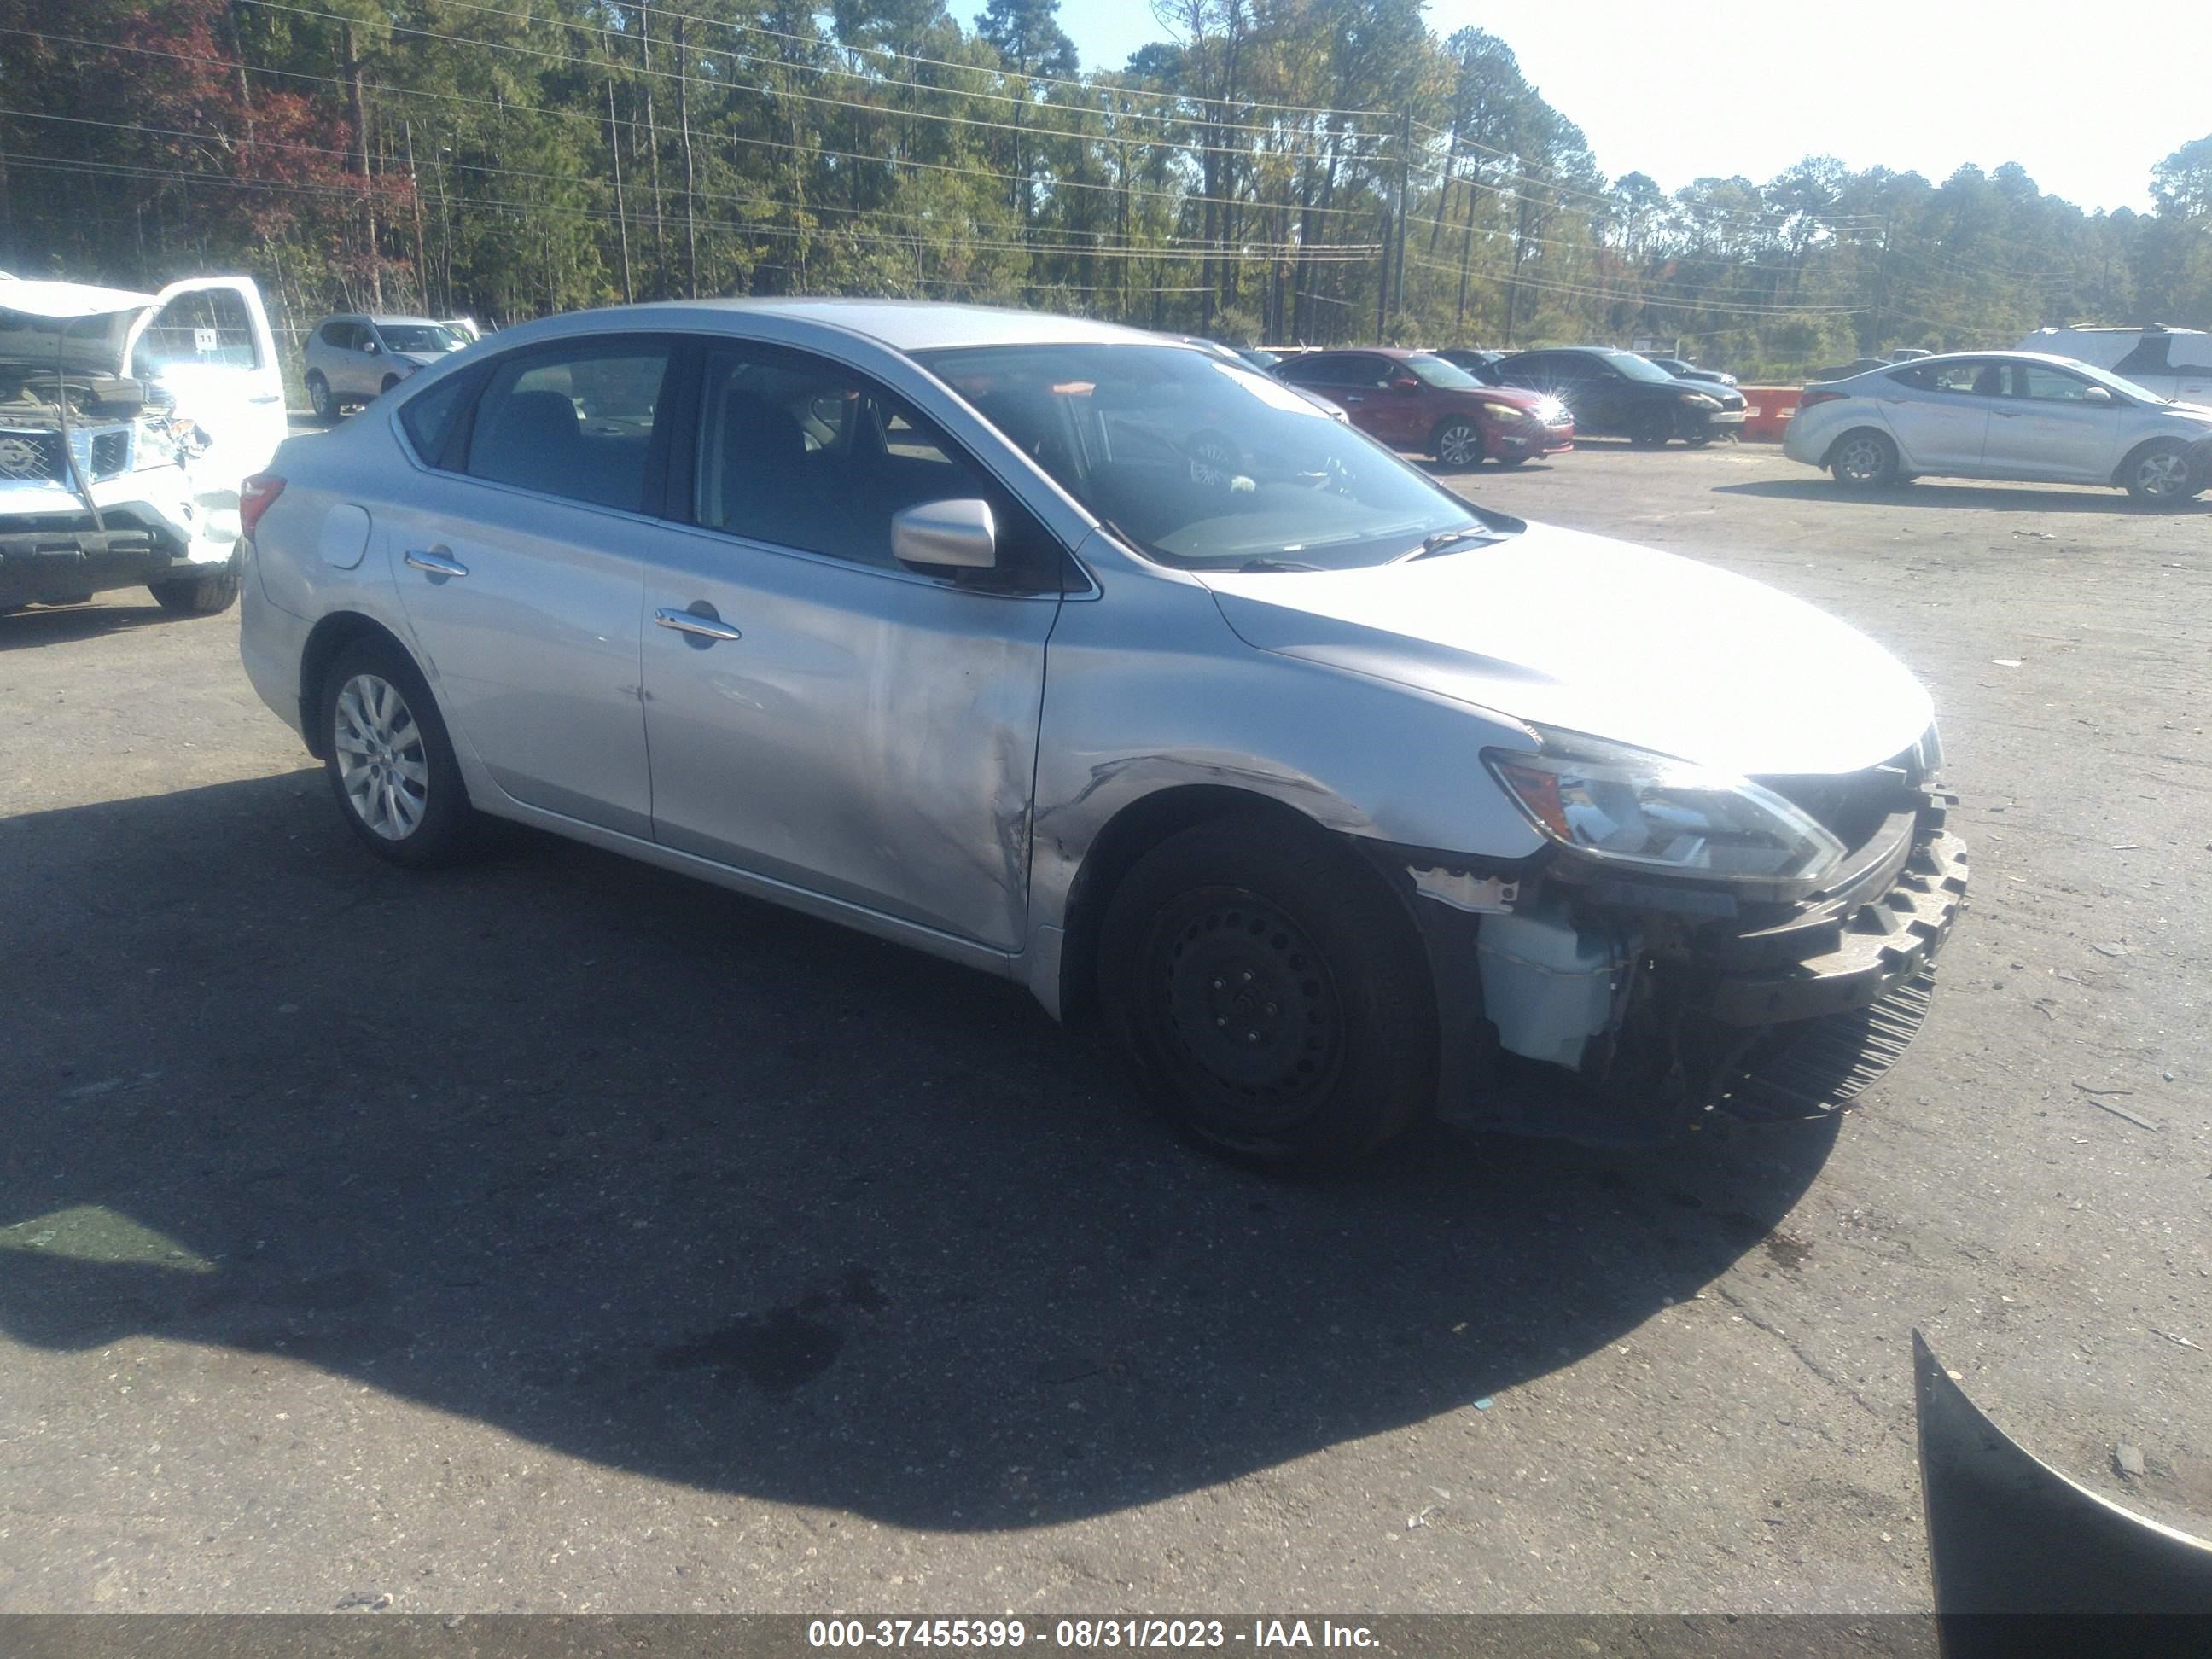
[708, 627]
[435, 562]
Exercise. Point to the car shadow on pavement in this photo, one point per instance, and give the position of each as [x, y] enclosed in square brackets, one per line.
[41, 626]
[2086, 498]
[661, 1177]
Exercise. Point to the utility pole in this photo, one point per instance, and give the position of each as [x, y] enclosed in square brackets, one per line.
[622, 220]
[359, 115]
[1881, 291]
[684, 120]
[415, 196]
[1405, 162]
[1382, 276]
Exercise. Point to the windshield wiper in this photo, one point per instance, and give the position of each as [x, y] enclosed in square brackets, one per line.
[1268, 567]
[1444, 540]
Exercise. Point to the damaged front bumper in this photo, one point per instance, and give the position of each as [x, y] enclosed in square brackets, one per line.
[1666, 1000]
[151, 526]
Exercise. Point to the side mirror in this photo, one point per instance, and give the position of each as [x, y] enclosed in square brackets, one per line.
[2096, 394]
[371, 347]
[953, 535]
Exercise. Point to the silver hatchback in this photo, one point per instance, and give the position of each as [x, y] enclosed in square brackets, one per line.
[353, 358]
[1338, 800]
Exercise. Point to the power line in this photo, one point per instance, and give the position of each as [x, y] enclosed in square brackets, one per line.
[597, 122]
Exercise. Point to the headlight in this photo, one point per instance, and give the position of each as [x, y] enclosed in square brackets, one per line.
[1550, 411]
[1506, 412]
[1696, 400]
[1630, 807]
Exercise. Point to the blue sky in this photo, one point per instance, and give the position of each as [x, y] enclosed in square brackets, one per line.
[2087, 101]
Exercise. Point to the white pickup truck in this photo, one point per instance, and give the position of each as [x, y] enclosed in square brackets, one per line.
[127, 421]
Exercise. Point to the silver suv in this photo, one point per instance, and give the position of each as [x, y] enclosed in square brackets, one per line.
[351, 359]
[1337, 798]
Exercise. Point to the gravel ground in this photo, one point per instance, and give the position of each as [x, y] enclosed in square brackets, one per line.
[560, 1235]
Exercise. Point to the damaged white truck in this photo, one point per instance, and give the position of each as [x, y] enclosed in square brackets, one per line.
[127, 421]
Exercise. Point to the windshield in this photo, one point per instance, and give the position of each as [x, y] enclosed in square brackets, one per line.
[1635, 367]
[1437, 372]
[419, 336]
[1203, 464]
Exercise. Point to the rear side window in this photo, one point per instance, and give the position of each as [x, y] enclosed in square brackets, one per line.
[428, 416]
[339, 335]
[212, 327]
[577, 421]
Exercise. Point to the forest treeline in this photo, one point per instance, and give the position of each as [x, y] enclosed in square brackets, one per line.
[1280, 170]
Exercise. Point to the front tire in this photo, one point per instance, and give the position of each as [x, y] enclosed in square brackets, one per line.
[390, 381]
[1457, 443]
[1651, 430]
[198, 595]
[390, 762]
[319, 398]
[1863, 460]
[1268, 993]
[2159, 475]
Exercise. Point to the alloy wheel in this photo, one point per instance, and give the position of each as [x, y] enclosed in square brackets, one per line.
[1459, 444]
[2163, 475]
[1861, 460]
[382, 764]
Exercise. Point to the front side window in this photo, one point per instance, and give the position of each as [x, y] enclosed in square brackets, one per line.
[2147, 356]
[575, 421]
[1631, 367]
[1201, 464]
[799, 452]
[2046, 384]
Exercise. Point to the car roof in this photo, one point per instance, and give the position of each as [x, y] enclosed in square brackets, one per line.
[2053, 358]
[919, 325]
[380, 317]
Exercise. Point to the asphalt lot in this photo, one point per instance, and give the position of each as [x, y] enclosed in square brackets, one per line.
[560, 1235]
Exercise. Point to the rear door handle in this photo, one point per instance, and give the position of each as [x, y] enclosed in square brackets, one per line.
[708, 627]
[435, 563]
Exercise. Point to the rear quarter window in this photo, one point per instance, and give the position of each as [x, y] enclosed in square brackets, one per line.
[428, 417]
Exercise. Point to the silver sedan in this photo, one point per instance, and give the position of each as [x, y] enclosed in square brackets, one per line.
[2007, 415]
[1118, 669]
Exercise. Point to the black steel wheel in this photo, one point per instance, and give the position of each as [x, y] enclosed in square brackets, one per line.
[1269, 992]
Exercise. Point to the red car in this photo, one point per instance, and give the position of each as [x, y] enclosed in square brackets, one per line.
[1416, 400]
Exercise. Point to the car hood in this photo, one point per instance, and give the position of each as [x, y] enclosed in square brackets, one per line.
[1519, 397]
[421, 359]
[1576, 631]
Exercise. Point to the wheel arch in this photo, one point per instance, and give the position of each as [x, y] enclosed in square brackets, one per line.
[325, 640]
[1828, 455]
[1145, 823]
[2156, 441]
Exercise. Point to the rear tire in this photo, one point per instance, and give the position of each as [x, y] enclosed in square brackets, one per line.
[2158, 474]
[1863, 460]
[319, 398]
[198, 595]
[1268, 993]
[390, 762]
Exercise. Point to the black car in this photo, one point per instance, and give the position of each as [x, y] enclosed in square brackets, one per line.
[1619, 393]
[1475, 361]
[1683, 370]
